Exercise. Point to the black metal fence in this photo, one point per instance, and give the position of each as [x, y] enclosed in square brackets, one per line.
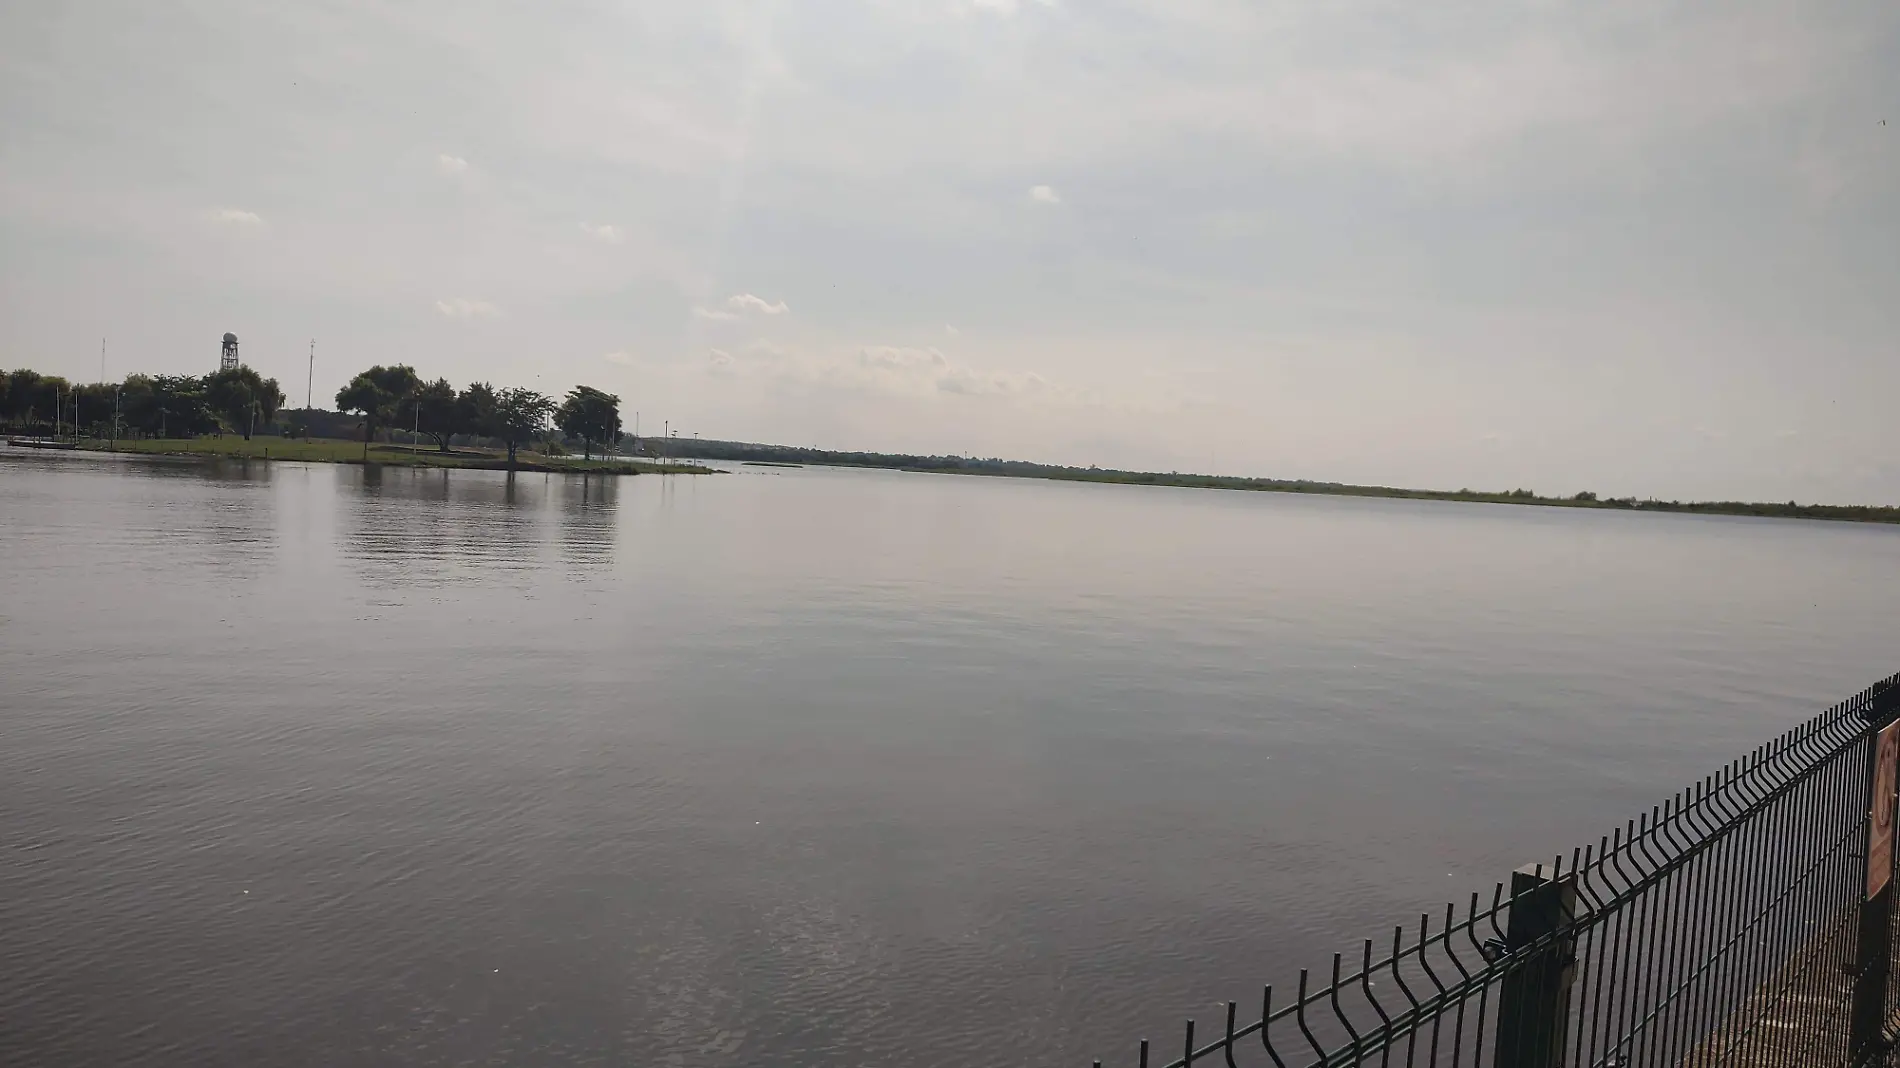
[1747, 921]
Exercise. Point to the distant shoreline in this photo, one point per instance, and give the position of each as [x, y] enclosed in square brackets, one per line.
[337, 451]
[748, 452]
[332, 450]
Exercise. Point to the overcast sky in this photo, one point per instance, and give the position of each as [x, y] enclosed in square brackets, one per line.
[1627, 247]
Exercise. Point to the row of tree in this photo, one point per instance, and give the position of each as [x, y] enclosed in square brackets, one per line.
[388, 397]
[243, 402]
[239, 401]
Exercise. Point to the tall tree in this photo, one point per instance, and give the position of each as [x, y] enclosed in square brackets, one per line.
[138, 404]
[520, 415]
[475, 409]
[183, 406]
[50, 401]
[95, 407]
[243, 398]
[590, 415]
[437, 414]
[378, 394]
[23, 387]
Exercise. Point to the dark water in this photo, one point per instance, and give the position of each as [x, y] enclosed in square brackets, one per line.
[311, 765]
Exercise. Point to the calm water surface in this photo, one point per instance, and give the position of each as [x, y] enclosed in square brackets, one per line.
[316, 765]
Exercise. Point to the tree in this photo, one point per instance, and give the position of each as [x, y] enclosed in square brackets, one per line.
[243, 398]
[138, 404]
[23, 388]
[590, 415]
[520, 415]
[437, 413]
[183, 407]
[378, 394]
[475, 409]
[49, 401]
[95, 407]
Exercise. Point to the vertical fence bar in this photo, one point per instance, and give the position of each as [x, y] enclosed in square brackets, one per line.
[1534, 997]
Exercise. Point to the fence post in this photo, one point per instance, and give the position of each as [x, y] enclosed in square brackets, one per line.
[1534, 996]
[1873, 953]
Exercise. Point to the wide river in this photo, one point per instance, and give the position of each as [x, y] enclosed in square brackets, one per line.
[319, 765]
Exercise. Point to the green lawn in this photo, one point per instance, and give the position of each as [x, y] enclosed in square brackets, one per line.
[333, 450]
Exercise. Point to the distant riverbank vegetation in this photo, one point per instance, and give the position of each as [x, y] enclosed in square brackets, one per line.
[748, 452]
[387, 413]
[238, 413]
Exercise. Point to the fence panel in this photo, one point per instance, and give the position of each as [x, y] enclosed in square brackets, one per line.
[1744, 923]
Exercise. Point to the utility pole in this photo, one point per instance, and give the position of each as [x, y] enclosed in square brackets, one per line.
[310, 378]
[102, 361]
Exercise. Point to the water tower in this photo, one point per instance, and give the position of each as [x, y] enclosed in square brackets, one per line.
[228, 361]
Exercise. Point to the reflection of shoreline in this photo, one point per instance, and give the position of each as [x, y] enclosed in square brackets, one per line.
[588, 508]
[421, 527]
[233, 522]
[331, 451]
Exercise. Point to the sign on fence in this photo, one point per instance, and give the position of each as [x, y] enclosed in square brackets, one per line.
[1880, 825]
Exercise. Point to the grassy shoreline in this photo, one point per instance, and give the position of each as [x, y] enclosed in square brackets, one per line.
[750, 452]
[1840, 513]
[333, 450]
[336, 451]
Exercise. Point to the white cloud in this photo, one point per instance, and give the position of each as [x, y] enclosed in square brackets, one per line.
[927, 369]
[741, 303]
[951, 331]
[463, 308]
[1043, 194]
[748, 302]
[605, 233]
[448, 164]
[892, 357]
[237, 217]
[623, 358]
[760, 359]
[990, 383]
[919, 374]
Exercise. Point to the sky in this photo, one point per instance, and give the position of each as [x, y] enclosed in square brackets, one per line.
[1633, 248]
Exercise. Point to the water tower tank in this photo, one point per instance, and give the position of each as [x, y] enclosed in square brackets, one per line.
[228, 360]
